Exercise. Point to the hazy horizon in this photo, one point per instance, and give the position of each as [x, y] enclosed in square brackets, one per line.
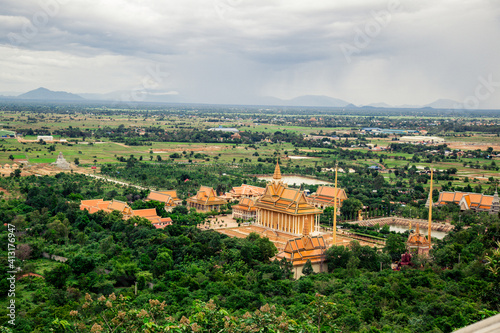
[235, 51]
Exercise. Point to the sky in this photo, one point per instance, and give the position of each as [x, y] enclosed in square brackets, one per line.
[236, 51]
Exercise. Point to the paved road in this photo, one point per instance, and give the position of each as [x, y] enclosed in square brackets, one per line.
[115, 181]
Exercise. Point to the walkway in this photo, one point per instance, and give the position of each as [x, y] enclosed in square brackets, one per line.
[114, 181]
[393, 220]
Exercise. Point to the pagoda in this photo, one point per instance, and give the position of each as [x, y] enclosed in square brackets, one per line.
[61, 162]
[285, 209]
[301, 249]
[206, 200]
[417, 243]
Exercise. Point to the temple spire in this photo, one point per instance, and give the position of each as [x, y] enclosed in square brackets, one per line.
[277, 172]
[334, 236]
[495, 204]
[305, 231]
[430, 213]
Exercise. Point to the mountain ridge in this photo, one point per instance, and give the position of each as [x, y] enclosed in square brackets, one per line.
[46, 94]
[174, 97]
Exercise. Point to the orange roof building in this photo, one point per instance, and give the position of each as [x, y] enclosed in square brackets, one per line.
[206, 200]
[417, 243]
[162, 223]
[474, 201]
[246, 191]
[245, 209]
[299, 250]
[169, 198]
[96, 205]
[325, 197]
[285, 209]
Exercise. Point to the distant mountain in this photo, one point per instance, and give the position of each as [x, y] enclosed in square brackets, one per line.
[443, 104]
[158, 96]
[351, 106]
[46, 94]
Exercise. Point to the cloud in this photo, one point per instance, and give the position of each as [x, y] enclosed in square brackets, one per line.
[233, 50]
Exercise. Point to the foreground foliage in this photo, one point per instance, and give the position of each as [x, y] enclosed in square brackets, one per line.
[213, 280]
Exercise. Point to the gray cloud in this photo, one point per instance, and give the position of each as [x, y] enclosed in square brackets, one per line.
[232, 50]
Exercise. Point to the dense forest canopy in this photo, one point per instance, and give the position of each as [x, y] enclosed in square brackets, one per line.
[107, 256]
[102, 273]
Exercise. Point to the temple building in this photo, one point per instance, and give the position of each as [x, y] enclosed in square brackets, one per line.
[285, 209]
[150, 214]
[169, 198]
[61, 162]
[95, 205]
[206, 200]
[245, 191]
[417, 243]
[325, 197]
[245, 209]
[474, 201]
[299, 250]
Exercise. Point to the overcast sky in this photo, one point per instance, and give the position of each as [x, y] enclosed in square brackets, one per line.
[230, 51]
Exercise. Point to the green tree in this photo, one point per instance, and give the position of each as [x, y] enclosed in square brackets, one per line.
[82, 264]
[378, 182]
[351, 207]
[337, 257]
[308, 269]
[58, 276]
[58, 231]
[394, 246]
[162, 263]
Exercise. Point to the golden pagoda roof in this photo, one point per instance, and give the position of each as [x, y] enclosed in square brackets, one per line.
[277, 172]
[327, 194]
[247, 190]
[246, 204]
[278, 197]
[299, 250]
[417, 239]
[207, 196]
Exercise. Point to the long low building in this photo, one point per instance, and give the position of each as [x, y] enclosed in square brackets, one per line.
[325, 196]
[95, 205]
[467, 200]
[169, 198]
[245, 210]
[245, 191]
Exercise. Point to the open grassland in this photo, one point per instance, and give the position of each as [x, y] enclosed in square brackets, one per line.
[95, 152]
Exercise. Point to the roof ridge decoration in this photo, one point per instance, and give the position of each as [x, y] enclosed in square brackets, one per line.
[305, 232]
[277, 172]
